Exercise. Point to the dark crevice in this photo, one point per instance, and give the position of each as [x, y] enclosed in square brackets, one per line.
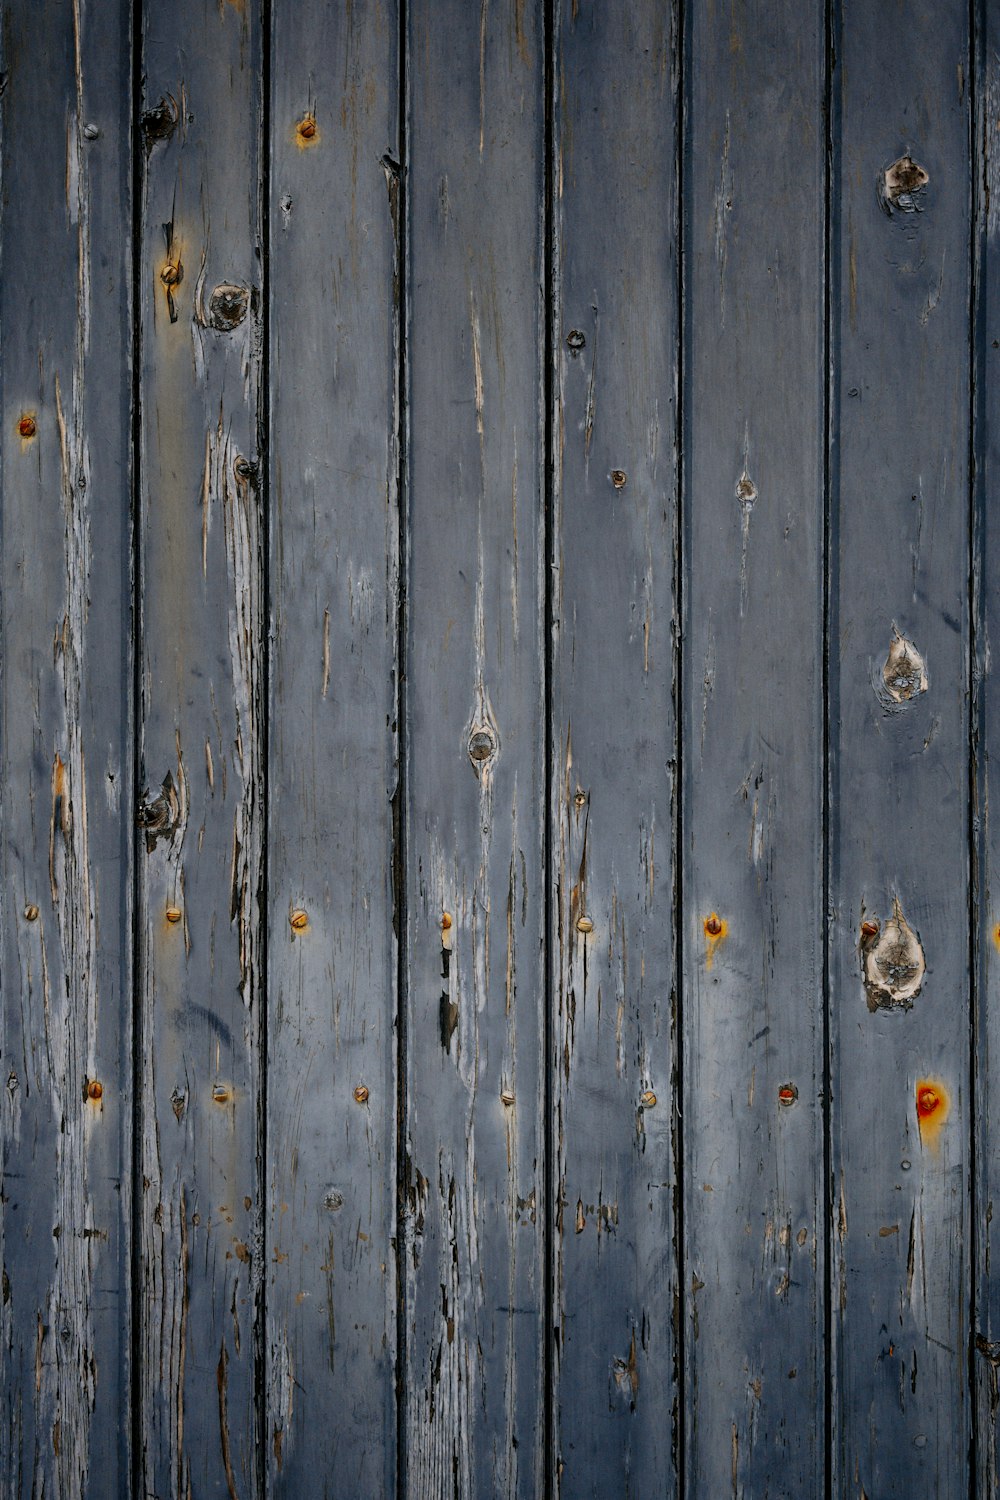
[549, 1436]
[681, 230]
[136, 842]
[399, 802]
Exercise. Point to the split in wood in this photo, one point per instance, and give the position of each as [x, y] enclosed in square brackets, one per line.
[892, 962]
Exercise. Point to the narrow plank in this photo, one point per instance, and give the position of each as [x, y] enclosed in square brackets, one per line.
[66, 759]
[201, 733]
[986, 747]
[613, 788]
[475, 892]
[899, 718]
[331, 1200]
[753, 745]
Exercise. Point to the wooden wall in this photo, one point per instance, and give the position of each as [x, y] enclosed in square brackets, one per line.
[498, 944]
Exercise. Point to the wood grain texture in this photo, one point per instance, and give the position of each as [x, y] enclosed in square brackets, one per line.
[334, 341]
[201, 728]
[752, 925]
[66, 753]
[615, 532]
[899, 747]
[985, 1328]
[475, 776]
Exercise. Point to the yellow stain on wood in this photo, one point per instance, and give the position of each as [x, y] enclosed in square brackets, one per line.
[716, 929]
[933, 1106]
[996, 937]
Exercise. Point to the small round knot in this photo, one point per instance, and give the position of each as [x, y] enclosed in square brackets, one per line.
[576, 340]
[482, 744]
[227, 306]
[619, 478]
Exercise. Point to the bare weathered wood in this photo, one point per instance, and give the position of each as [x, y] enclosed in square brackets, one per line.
[201, 728]
[752, 926]
[615, 534]
[475, 770]
[334, 340]
[899, 723]
[65, 1044]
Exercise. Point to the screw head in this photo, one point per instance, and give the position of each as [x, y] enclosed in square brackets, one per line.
[445, 921]
[220, 1094]
[576, 340]
[306, 128]
[173, 914]
[298, 919]
[26, 426]
[91, 132]
[361, 1094]
[31, 913]
[580, 799]
[787, 1094]
[95, 1090]
[619, 478]
[507, 1097]
[928, 1100]
[869, 929]
[172, 273]
[713, 925]
[584, 924]
[648, 1099]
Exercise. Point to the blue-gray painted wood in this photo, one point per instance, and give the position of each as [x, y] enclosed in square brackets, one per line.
[475, 763]
[65, 960]
[330, 1419]
[752, 924]
[201, 725]
[985, 1329]
[613, 774]
[899, 852]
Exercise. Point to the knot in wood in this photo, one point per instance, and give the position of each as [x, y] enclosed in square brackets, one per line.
[893, 965]
[158, 815]
[244, 469]
[482, 745]
[575, 340]
[333, 1199]
[227, 306]
[901, 184]
[160, 122]
[619, 478]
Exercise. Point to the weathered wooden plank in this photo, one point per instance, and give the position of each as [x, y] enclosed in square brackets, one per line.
[475, 895]
[899, 640]
[201, 734]
[613, 788]
[334, 336]
[752, 925]
[66, 762]
[985, 913]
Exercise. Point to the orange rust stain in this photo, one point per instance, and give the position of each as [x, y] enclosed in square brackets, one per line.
[933, 1104]
[716, 928]
[307, 132]
[996, 937]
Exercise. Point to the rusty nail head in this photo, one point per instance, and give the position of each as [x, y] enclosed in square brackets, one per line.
[648, 1099]
[95, 1090]
[298, 919]
[220, 1093]
[445, 921]
[507, 1097]
[26, 426]
[307, 128]
[928, 1100]
[172, 273]
[173, 913]
[869, 929]
[361, 1094]
[713, 925]
[619, 478]
[575, 340]
[787, 1094]
[584, 924]
[31, 913]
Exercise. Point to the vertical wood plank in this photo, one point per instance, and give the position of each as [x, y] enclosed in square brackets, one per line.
[899, 640]
[986, 747]
[752, 925]
[201, 731]
[615, 533]
[475, 780]
[334, 339]
[66, 758]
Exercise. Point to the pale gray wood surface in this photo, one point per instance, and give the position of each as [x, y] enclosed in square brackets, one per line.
[752, 923]
[613, 771]
[900, 1232]
[65, 960]
[330, 1419]
[201, 719]
[475, 777]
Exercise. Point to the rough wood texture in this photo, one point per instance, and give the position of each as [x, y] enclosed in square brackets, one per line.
[613, 751]
[899, 783]
[752, 925]
[201, 713]
[334, 203]
[475, 897]
[66, 757]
